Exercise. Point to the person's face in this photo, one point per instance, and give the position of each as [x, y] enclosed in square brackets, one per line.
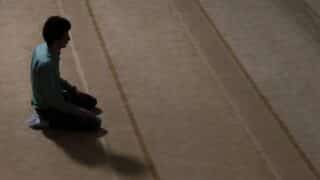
[64, 40]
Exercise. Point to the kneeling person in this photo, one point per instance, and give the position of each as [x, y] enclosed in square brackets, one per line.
[57, 102]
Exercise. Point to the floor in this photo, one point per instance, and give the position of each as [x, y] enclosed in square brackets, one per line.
[190, 89]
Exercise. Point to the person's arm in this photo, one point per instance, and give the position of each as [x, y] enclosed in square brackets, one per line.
[50, 91]
[67, 86]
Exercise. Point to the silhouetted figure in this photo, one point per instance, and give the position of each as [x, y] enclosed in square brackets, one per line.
[58, 103]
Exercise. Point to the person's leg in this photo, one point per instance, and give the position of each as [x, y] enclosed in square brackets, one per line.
[60, 120]
[81, 99]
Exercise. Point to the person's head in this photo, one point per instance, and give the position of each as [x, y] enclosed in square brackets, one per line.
[56, 32]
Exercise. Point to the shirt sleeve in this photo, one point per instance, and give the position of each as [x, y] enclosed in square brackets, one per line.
[50, 91]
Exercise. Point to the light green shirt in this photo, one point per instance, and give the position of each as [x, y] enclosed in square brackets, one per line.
[47, 86]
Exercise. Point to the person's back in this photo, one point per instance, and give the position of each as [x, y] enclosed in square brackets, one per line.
[39, 58]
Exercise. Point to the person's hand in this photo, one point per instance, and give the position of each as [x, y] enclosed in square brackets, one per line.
[75, 90]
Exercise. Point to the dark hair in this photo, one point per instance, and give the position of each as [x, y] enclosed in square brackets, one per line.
[54, 28]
